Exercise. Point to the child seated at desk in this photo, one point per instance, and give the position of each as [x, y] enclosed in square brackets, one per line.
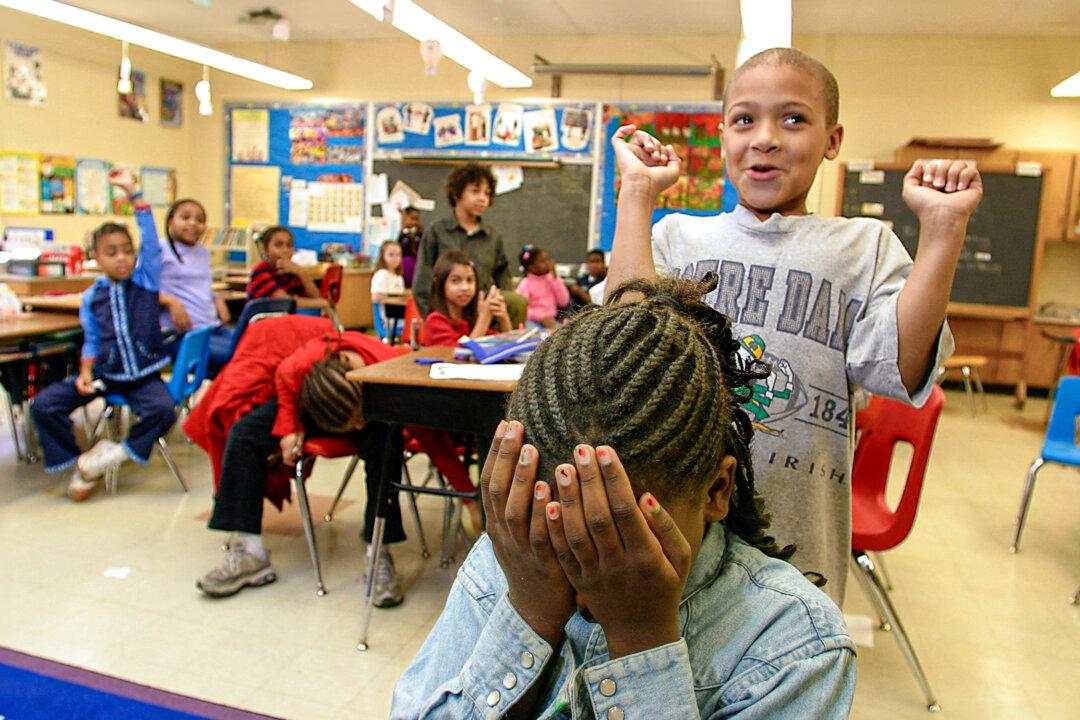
[122, 354]
[627, 568]
[541, 288]
[277, 275]
[388, 284]
[456, 307]
[187, 300]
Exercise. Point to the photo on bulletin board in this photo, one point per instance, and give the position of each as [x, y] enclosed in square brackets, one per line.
[418, 118]
[478, 125]
[448, 130]
[121, 203]
[390, 125]
[540, 132]
[576, 125]
[24, 74]
[159, 186]
[91, 187]
[172, 103]
[57, 184]
[508, 124]
[133, 104]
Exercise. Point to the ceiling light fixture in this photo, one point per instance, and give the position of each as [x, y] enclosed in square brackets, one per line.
[159, 42]
[1069, 87]
[123, 85]
[202, 93]
[413, 20]
[765, 24]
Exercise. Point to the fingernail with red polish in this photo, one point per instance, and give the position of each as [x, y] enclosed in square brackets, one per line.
[553, 511]
[603, 456]
[540, 491]
[651, 505]
[583, 455]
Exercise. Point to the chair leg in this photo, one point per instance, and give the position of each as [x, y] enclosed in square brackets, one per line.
[451, 523]
[112, 432]
[979, 388]
[369, 586]
[867, 566]
[164, 447]
[406, 478]
[14, 428]
[860, 577]
[966, 371]
[309, 527]
[1025, 503]
[879, 561]
[341, 490]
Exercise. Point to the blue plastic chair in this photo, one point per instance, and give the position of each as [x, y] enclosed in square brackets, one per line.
[1058, 447]
[379, 312]
[258, 310]
[188, 373]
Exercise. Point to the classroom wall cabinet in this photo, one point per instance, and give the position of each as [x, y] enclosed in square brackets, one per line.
[354, 307]
[1017, 349]
[1044, 355]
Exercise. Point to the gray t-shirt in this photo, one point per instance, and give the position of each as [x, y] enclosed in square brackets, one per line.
[816, 298]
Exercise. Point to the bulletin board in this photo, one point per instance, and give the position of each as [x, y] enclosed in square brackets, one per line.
[702, 189]
[297, 165]
[526, 131]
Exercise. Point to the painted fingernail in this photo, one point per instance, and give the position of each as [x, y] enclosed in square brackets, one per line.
[583, 456]
[651, 505]
[540, 491]
[603, 456]
[524, 459]
[563, 476]
[553, 511]
[501, 430]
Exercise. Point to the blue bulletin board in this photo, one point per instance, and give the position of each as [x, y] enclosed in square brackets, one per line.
[553, 130]
[702, 189]
[319, 152]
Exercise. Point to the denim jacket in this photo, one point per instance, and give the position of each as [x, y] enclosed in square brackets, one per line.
[759, 641]
[121, 329]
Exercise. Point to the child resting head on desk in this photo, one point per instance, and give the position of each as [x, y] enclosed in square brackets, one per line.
[627, 566]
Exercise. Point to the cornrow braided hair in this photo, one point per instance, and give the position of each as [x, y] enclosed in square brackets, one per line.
[330, 401]
[660, 380]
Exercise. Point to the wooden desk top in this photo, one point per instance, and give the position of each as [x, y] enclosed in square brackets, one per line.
[398, 300]
[36, 323]
[68, 303]
[405, 371]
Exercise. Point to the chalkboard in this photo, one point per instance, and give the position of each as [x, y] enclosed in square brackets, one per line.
[551, 208]
[997, 261]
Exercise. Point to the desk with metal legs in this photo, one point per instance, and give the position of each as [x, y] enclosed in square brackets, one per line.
[400, 392]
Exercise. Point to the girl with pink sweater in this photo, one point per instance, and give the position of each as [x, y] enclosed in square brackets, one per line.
[544, 291]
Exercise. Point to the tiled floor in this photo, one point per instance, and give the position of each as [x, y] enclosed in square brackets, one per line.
[994, 631]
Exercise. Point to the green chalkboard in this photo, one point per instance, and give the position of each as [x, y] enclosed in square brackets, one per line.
[997, 261]
[551, 209]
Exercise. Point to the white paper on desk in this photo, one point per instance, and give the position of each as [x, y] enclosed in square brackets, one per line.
[458, 371]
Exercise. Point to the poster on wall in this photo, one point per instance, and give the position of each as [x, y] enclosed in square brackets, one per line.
[57, 184]
[253, 194]
[18, 183]
[24, 74]
[91, 186]
[508, 124]
[448, 131]
[478, 125]
[172, 103]
[576, 123]
[540, 132]
[133, 104]
[159, 186]
[250, 140]
[418, 118]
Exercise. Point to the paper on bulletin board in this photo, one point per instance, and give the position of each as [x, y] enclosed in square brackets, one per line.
[250, 135]
[298, 203]
[507, 178]
[253, 194]
[92, 186]
[57, 184]
[18, 183]
[335, 207]
[378, 189]
[159, 186]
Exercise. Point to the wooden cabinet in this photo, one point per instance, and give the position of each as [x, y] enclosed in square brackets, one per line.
[1072, 218]
[1059, 169]
[1045, 355]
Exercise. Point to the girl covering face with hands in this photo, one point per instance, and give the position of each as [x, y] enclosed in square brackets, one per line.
[627, 570]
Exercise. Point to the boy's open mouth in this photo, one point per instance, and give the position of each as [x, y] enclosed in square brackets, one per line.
[762, 172]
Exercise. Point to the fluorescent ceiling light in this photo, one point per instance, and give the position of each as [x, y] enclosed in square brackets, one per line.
[413, 20]
[1069, 87]
[765, 24]
[159, 42]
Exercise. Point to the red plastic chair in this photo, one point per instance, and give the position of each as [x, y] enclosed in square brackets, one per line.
[875, 527]
[330, 290]
[412, 312]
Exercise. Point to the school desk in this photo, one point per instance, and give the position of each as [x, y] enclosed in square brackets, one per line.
[354, 307]
[1065, 342]
[45, 285]
[32, 324]
[401, 392]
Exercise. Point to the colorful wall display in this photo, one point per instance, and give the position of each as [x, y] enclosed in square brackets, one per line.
[18, 183]
[57, 184]
[534, 131]
[92, 196]
[158, 185]
[24, 74]
[693, 130]
[172, 103]
[133, 104]
[298, 165]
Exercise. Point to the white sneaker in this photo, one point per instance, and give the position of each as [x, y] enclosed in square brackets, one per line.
[387, 590]
[79, 488]
[107, 454]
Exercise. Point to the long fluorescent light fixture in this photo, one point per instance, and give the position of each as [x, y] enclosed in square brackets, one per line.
[765, 24]
[1069, 87]
[158, 42]
[413, 20]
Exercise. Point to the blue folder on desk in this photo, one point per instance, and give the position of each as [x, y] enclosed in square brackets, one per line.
[499, 348]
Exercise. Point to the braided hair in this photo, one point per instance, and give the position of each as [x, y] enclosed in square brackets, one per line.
[332, 404]
[169, 216]
[660, 380]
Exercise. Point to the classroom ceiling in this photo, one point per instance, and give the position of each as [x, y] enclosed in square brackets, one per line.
[339, 19]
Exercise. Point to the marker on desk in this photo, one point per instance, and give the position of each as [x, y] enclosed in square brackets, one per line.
[427, 361]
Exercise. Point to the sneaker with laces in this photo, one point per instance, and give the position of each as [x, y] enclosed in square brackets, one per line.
[105, 455]
[387, 591]
[80, 488]
[240, 569]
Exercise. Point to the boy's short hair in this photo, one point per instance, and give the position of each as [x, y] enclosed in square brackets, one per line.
[800, 60]
[108, 228]
[465, 175]
[596, 251]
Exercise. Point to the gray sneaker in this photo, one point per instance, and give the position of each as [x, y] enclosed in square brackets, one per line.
[239, 570]
[387, 590]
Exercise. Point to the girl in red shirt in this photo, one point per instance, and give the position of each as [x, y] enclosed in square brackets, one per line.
[456, 307]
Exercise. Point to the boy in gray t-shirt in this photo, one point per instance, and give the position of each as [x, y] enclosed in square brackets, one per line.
[829, 303]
